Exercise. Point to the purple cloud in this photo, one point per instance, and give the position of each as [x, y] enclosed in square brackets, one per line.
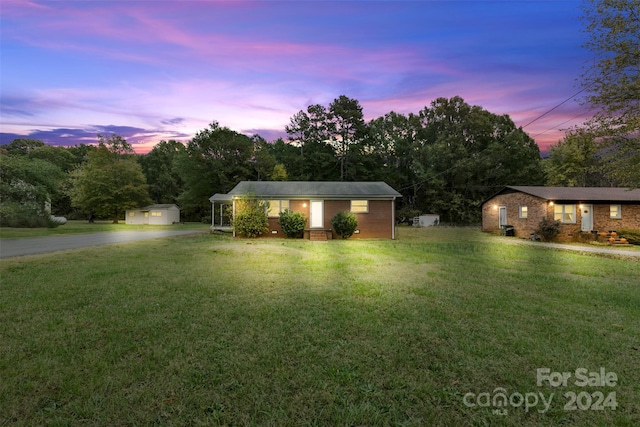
[163, 70]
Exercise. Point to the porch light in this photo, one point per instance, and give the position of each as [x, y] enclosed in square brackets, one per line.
[304, 205]
[550, 202]
[495, 207]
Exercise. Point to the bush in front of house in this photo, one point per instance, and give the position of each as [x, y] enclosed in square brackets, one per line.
[251, 218]
[292, 223]
[632, 235]
[344, 224]
[548, 229]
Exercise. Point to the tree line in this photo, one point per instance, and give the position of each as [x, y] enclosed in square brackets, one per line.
[445, 159]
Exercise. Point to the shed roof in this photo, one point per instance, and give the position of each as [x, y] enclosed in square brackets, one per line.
[310, 189]
[579, 194]
[159, 206]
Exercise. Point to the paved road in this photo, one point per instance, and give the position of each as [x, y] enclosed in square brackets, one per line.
[40, 245]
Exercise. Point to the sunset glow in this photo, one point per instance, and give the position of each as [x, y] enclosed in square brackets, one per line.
[161, 70]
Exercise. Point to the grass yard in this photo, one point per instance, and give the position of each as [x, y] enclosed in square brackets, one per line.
[425, 330]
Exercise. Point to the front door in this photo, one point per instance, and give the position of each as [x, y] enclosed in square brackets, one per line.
[316, 212]
[502, 216]
[587, 217]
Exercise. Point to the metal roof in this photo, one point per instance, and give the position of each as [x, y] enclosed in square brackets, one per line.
[158, 206]
[310, 189]
[580, 194]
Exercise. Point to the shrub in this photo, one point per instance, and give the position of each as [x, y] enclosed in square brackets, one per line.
[632, 235]
[292, 223]
[344, 224]
[547, 229]
[251, 219]
[18, 215]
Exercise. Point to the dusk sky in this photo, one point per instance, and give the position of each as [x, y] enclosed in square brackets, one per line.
[152, 70]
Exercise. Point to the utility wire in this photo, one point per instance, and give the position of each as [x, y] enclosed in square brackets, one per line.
[566, 121]
[563, 102]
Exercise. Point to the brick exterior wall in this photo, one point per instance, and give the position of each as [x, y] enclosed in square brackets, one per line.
[539, 208]
[523, 227]
[294, 205]
[630, 218]
[377, 223]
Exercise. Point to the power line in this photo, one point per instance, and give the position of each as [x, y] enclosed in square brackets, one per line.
[563, 102]
[566, 121]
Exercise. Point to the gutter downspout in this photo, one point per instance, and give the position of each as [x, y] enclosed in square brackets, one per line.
[393, 219]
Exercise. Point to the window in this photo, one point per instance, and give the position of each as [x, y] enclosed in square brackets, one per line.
[277, 206]
[615, 211]
[359, 206]
[565, 213]
[155, 213]
[132, 213]
[524, 212]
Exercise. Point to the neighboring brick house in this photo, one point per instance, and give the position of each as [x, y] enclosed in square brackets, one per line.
[579, 209]
[373, 203]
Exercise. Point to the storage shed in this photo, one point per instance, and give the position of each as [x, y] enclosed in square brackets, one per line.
[161, 214]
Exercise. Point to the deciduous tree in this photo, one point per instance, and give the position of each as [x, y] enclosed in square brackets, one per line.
[612, 76]
[111, 180]
[214, 161]
[165, 184]
[612, 81]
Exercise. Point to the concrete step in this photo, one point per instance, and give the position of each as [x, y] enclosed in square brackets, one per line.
[318, 236]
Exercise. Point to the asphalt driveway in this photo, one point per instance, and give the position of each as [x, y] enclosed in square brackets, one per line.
[40, 245]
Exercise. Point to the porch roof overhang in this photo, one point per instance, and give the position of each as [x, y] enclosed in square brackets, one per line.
[221, 198]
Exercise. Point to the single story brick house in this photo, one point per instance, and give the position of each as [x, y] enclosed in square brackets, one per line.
[579, 209]
[373, 203]
[161, 214]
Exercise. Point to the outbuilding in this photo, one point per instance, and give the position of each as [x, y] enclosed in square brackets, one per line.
[160, 214]
[373, 203]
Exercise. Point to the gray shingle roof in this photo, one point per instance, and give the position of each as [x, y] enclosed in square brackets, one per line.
[581, 194]
[302, 189]
[158, 206]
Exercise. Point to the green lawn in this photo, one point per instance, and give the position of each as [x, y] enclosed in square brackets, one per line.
[210, 330]
[81, 227]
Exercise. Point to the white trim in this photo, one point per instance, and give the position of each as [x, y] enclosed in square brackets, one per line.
[619, 216]
[500, 210]
[563, 212]
[313, 219]
[366, 210]
[526, 208]
[586, 221]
